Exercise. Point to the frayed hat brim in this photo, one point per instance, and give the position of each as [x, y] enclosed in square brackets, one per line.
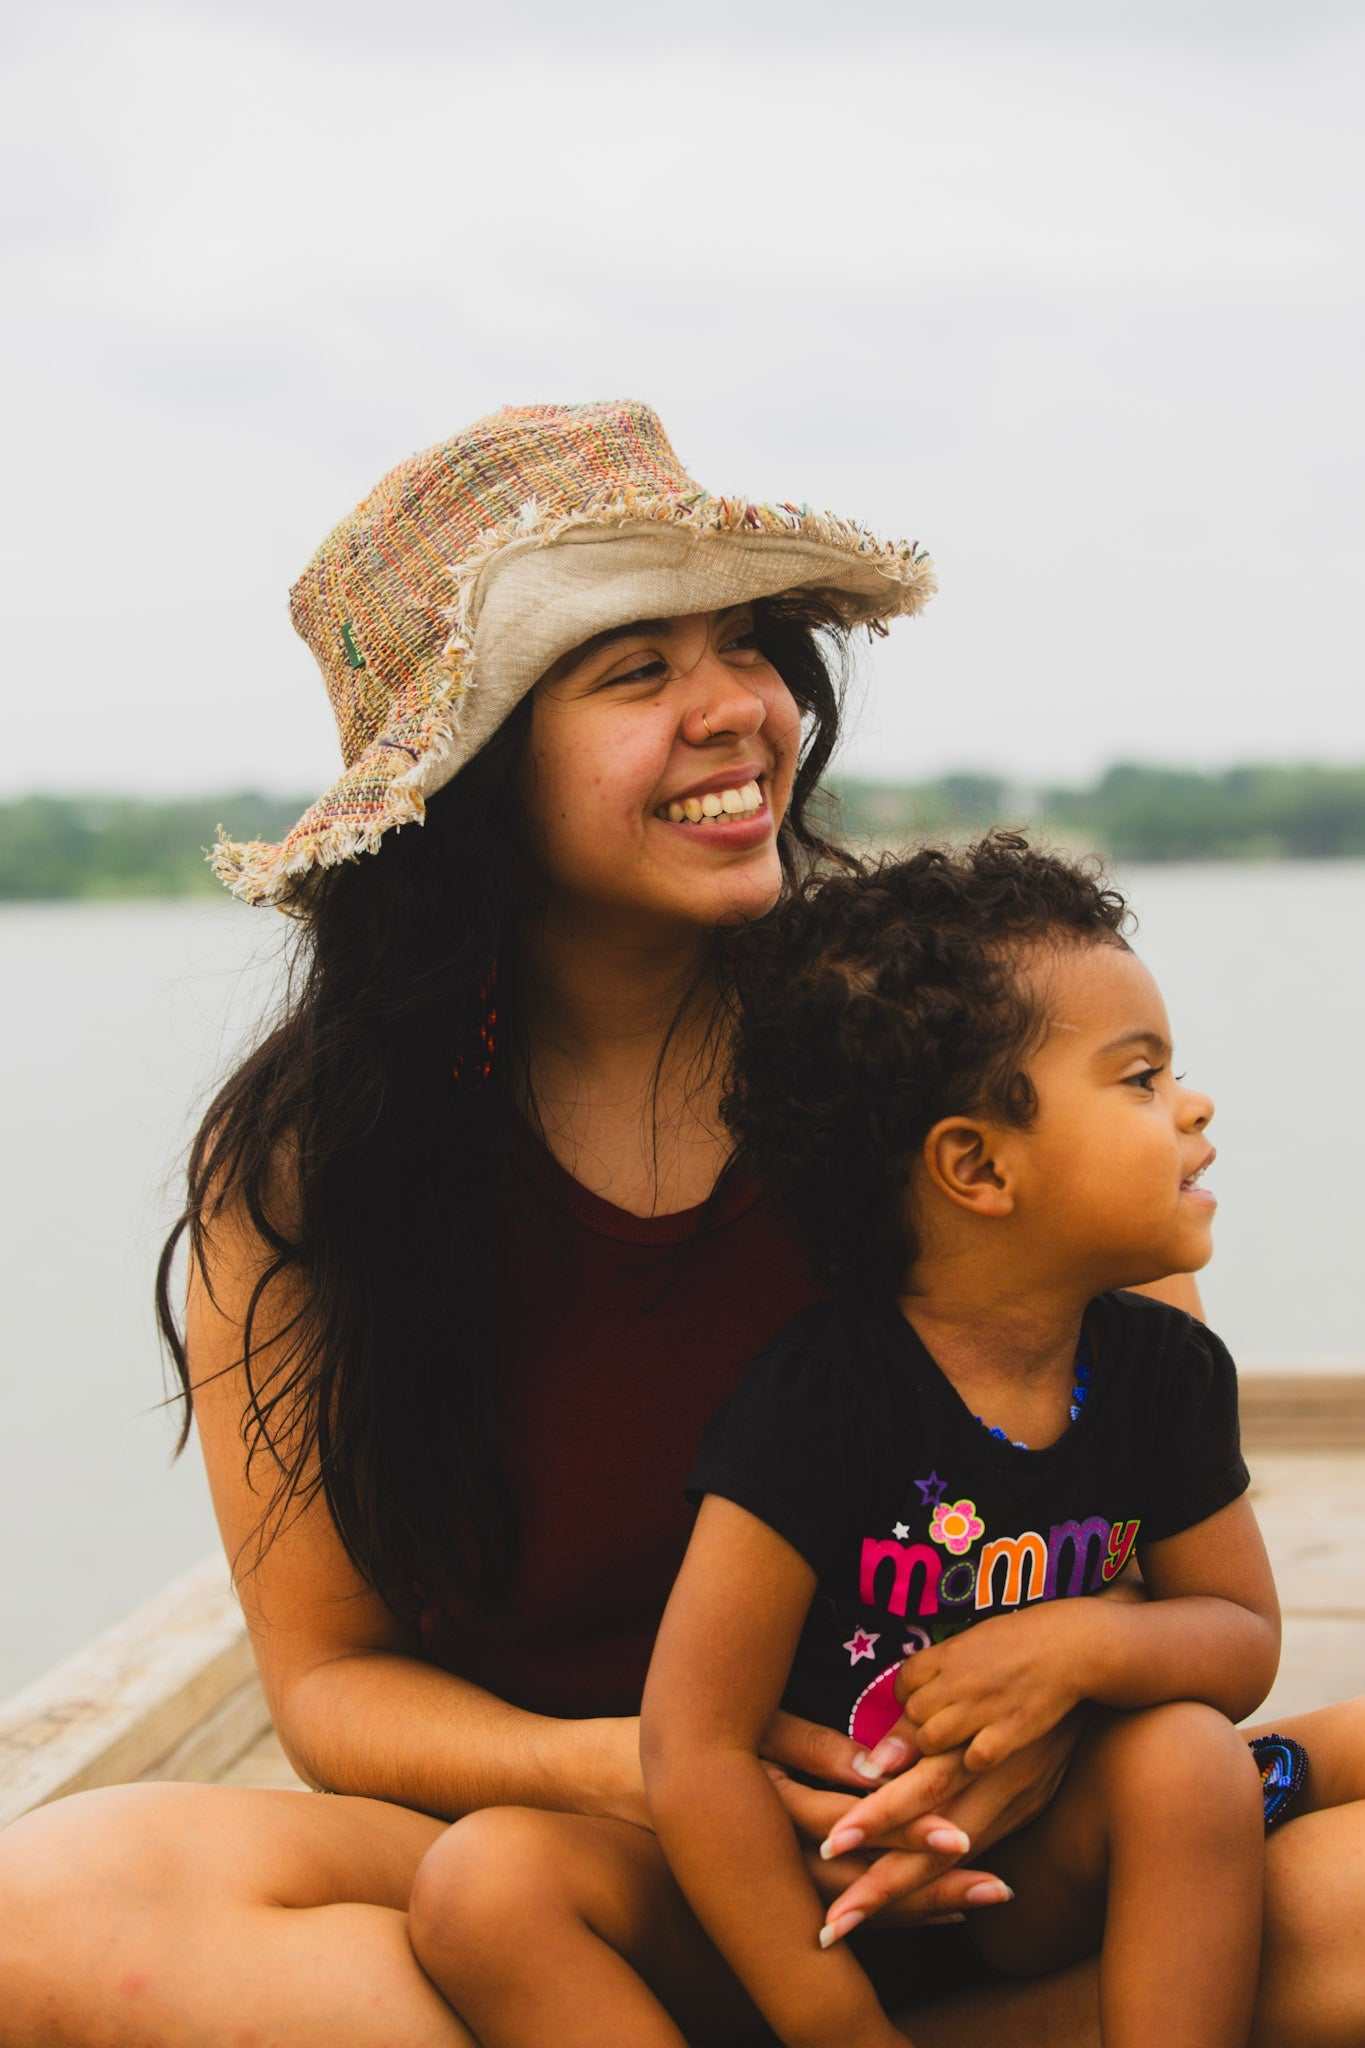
[539, 586]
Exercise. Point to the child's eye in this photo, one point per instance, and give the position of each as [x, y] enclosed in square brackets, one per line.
[1143, 1080]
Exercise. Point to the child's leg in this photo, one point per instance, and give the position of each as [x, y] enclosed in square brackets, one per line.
[1155, 1841]
[553, 1927]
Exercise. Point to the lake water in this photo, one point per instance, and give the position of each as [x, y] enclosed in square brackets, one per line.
[119, 1018]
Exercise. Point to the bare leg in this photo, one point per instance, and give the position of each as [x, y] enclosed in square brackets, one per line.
[1154, 1844]
[1312, 1988]
[543, 1927]
[152, 1916]
[1312, 1991]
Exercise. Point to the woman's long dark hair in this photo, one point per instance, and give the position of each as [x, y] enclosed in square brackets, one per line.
[360, 1139]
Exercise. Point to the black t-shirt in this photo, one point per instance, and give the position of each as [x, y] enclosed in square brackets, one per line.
[845, 1437]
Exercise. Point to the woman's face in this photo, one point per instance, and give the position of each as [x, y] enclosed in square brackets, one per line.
[659, 768]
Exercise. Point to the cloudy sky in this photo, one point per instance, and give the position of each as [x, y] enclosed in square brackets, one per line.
[1078, 304]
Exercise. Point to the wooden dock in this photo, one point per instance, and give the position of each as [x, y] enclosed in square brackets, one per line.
[172, 1692]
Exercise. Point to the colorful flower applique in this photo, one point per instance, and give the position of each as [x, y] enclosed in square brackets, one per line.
[956, 1525]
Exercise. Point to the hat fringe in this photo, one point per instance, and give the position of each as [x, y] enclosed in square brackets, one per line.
[258, 872]
[534, 527]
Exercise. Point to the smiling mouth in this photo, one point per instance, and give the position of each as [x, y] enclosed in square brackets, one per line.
[1192, 1180]
[744, 800]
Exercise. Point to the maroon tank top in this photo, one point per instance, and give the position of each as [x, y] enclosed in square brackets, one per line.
[619, 1335]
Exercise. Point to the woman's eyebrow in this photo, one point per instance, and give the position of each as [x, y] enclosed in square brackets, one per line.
[598, 641]
[1152, 1040]
[628, 631]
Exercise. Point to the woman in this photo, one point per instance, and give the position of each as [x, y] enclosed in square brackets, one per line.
[469, 1271]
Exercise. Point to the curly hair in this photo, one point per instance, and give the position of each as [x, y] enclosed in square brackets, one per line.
[874, 1003]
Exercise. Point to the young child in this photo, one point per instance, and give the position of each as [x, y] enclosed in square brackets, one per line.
[959, 1076]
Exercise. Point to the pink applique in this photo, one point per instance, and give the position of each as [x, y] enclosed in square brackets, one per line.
[876, 1710]
[956, 1525]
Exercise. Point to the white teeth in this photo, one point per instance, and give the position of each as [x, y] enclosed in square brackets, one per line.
[739, 802]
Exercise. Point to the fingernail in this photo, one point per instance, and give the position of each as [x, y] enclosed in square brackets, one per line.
[948, 1841]
[992, 1891]
[888, 1753]
[839, 1841]
[845, 1924]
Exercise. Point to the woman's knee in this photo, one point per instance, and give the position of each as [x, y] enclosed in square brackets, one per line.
[70, 1873]
[110, 1843]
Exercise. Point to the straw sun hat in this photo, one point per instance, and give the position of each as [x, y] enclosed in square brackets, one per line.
[472, 567]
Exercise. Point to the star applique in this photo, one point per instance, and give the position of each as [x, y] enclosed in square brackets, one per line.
[931, 1490]
[861, 1644]
[901, 1532]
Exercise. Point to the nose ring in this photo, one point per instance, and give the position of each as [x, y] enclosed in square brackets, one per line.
[707, 723]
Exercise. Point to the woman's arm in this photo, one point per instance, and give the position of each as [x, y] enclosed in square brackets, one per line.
[356, 1708]
[722, 1656]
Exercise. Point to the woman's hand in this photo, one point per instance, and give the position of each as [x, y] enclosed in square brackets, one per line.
[873, 1856]
[606, 1766]
[791, 1744]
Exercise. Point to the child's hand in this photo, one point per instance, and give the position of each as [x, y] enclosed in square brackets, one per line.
[996, 1687]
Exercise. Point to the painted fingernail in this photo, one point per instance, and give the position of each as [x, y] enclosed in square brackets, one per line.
[992, 1891]
[888, 1753]
[845, 1924]
[948, 1841]
[839, 1841]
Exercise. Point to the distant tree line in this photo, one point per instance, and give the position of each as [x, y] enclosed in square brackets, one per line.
[1133, 813]
[58, 846]
[83, 846]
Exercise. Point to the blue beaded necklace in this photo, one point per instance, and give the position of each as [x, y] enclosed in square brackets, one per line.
[1079, 1390]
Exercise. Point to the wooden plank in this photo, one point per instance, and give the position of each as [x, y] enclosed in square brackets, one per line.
[1323, 1660]
[116, 1707]
[264, 1767]
[233, 1727]
[1311, 1508]
[1305, 1411]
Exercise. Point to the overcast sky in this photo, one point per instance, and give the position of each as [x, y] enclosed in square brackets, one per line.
[1078, 306]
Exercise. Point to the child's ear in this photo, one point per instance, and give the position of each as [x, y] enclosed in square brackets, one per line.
[962, 1160]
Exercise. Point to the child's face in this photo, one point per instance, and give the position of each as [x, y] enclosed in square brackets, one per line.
[1109, 1164]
